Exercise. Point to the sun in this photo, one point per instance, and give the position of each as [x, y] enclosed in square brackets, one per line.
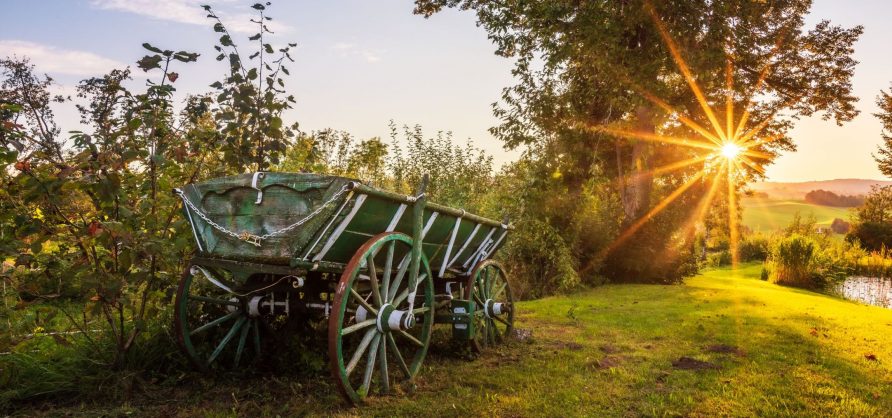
[731, 150]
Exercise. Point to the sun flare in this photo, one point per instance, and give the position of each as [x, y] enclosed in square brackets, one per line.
[731, 150]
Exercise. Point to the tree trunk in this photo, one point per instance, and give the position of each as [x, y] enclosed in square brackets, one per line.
[636, 182]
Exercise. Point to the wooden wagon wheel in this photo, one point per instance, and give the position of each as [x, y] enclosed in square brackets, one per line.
[373, 337]
[211, 324]
[488, 287]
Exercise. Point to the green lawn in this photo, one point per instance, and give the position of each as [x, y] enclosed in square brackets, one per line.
[767, 215]
[609, 351]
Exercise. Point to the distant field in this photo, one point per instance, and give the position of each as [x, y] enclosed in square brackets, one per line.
[767, 215]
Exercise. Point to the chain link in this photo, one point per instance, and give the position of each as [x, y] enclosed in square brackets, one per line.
[253, 239]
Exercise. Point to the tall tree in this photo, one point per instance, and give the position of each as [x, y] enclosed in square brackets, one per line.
[607, 81]
[884, 159]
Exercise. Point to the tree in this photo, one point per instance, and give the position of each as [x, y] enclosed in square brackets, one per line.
[872, 226]
[588, 69]
[884, 159]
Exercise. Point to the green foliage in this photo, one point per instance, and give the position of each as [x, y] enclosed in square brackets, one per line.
[884, 157]
[792, 258]
[754, 247]
[872, 226]
[248, 105]
[541, 261]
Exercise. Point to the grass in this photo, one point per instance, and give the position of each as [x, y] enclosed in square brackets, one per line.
[767, 215]
[766, 351]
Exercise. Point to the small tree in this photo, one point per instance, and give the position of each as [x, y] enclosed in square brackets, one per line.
[884, 157]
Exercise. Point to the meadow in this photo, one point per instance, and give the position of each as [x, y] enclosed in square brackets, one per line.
[723, 343]
[768, 215]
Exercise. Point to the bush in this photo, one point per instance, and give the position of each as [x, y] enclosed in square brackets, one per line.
[718, 259]
[872, 235]
[792, 259]
[754, 248]
[540, 261]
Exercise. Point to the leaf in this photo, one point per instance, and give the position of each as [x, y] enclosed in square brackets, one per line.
[254, 55]
[258, 6]
[255, 37]
[220, 57]
[149, 46]
[172, 77]
[217, 85]
[218, 27]
[149, 62]
[275, 122]
[184, 56]
[252, 74]
[268, 48]
[225, 40]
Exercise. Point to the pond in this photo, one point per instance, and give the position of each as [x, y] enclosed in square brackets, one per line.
[870, 290]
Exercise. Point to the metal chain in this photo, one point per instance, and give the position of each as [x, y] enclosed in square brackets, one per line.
[253, 239]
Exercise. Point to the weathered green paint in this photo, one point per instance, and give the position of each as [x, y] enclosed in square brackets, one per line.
[288, 197]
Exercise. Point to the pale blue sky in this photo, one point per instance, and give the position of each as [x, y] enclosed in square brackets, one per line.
[362, 63]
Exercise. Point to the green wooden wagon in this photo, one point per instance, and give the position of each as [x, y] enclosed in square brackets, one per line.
[381, 268]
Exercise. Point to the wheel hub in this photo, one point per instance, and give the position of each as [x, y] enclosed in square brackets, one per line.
[392, 319]
[492, 308]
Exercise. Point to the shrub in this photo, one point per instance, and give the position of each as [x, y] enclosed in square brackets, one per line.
[540, 261]
[840, 226]
[717, 259]
[754, 248]
[871, 234]
[792, 258]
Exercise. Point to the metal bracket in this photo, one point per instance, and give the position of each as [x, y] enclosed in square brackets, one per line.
[254, 180]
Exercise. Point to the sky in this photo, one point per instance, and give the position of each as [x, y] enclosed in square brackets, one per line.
[360, 64]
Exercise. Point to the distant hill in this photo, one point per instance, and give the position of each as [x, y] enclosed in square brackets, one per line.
[768, 215]
[797, 191]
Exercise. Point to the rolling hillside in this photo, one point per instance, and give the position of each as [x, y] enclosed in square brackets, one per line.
[797, 191]
[768, 215]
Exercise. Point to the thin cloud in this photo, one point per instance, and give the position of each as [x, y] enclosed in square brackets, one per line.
[187, 12]
[346, 49]
[53, 60]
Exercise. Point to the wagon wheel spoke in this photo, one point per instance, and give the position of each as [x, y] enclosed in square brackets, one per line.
[358, 326]
[361, 301]
[401, 272]
[226, 339]
[497, 318]
[357, 355]
[500, 291]
[405, 293]
[399, 356]
[256, 329]
[385, 376]
[411, 338]
[370, 365]
[206, 299]
[241, 342]
[373, 277]
[388, 267]
[215, 322]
